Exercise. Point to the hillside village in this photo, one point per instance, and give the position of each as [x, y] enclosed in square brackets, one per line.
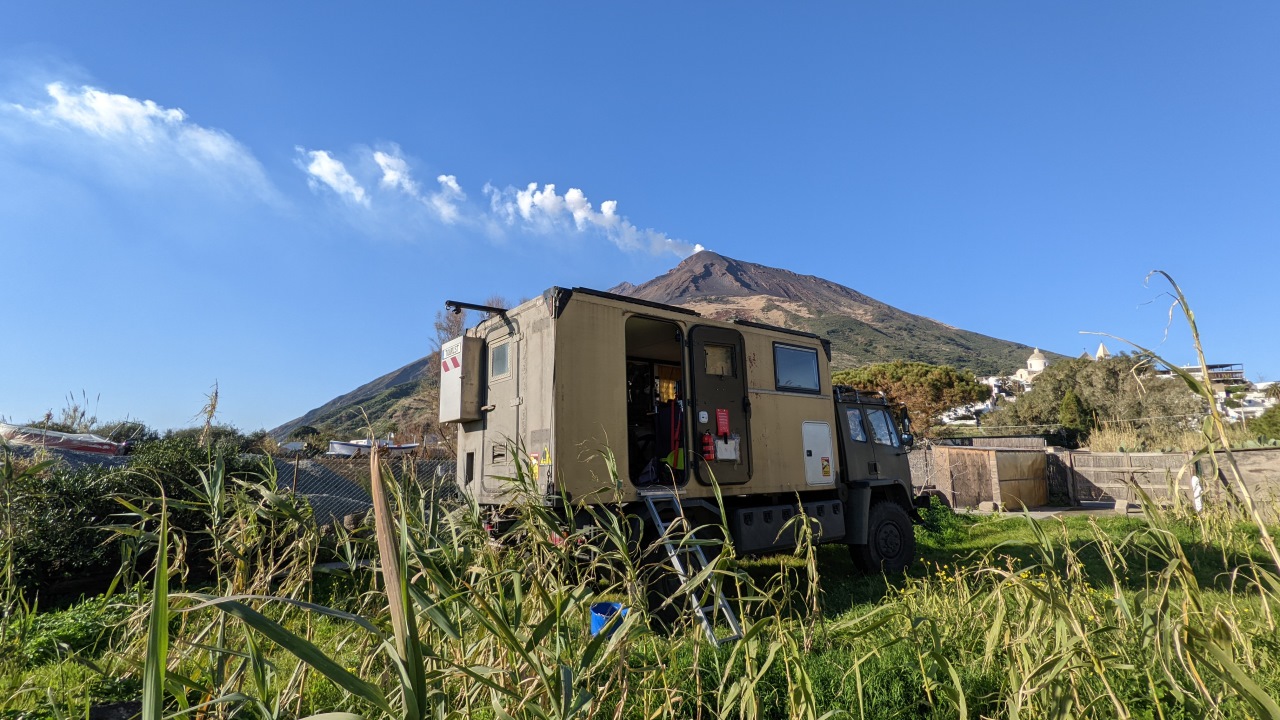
[1237, 398]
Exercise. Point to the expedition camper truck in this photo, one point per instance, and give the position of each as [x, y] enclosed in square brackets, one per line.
[679, 398]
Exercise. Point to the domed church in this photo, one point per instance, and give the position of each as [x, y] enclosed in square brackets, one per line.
[1035, 365]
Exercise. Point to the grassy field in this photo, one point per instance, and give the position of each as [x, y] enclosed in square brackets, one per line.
[1163, 616]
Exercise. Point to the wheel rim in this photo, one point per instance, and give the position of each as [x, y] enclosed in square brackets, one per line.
[889, 540]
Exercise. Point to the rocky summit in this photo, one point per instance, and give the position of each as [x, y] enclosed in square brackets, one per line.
[861, 329]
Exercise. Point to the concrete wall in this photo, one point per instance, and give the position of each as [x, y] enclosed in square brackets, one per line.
[1260, 469]
[1084, 476]
[1021, 441]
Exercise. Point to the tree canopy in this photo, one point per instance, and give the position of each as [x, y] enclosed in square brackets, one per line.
[1120, 388]
[1268, 423]
[927, 390]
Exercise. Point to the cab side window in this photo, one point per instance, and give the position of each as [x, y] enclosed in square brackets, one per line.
[857, 432]
[882, 427]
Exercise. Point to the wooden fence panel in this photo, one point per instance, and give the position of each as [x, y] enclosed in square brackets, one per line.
[965, 475]
[1059, 486]
[1113, 476]
[1021, 474]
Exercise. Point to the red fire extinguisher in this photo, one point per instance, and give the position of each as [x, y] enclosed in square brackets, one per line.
[708, 446]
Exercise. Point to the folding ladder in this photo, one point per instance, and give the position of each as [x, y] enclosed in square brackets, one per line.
[688, 559]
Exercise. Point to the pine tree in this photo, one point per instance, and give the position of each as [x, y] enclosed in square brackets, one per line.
[1072, 414]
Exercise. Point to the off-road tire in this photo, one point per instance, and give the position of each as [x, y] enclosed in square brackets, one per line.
[891, 541]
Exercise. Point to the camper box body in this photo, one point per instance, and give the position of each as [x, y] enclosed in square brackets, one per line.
[571, 373]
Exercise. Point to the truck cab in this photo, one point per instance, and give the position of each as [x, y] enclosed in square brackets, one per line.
[875, 438]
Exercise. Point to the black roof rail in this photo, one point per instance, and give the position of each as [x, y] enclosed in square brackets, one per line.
[637, 301]
[848, 393]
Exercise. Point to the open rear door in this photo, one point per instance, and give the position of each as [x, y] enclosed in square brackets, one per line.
[502, 422]
[720, 406]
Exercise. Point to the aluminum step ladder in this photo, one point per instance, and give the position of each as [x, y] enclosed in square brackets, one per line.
[689, 560]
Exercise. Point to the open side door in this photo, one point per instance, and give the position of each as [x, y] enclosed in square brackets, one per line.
[721, 408]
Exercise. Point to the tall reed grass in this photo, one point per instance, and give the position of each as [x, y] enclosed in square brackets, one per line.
[1066, 627]
[1128, 436]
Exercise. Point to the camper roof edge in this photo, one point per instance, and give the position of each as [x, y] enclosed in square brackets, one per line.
[826, 344]
[637, 301]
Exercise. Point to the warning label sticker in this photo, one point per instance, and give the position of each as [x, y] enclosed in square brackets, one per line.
[826, 467]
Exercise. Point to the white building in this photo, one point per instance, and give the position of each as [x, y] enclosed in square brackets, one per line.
[1251, 403]
[1035, 365]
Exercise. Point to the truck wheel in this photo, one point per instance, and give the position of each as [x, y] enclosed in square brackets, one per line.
[891, 541]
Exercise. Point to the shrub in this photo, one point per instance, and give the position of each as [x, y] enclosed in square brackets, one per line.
[941, 522]
[57, 519]
[175, 464]
[1268, 423]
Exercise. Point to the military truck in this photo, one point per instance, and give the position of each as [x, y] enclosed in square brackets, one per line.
[683, 401]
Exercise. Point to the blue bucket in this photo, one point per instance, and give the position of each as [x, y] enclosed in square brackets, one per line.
[606, 616]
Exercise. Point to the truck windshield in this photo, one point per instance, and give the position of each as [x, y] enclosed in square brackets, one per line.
[882, 427]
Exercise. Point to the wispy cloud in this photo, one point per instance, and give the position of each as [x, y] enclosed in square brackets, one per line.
[532, 210]
[446, 201]
[395, 173]
[141, 150]
[139, 132]
[396, 176]
[321, 167]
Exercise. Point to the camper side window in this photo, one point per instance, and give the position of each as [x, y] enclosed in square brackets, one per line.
[499, 361]
[796, 368]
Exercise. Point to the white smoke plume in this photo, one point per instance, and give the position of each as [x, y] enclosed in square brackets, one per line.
[538, 209]
[543, 210]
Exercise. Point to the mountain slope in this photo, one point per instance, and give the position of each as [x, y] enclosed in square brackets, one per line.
[861, 329]
[393, 395]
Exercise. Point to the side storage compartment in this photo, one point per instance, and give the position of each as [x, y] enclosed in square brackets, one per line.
[818, 456]
[761, 529]
[756, 529]
[830, 517]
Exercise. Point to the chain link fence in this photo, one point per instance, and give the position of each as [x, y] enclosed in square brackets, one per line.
[338, 488]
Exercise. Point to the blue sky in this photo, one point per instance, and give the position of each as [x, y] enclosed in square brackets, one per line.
[279, 196]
